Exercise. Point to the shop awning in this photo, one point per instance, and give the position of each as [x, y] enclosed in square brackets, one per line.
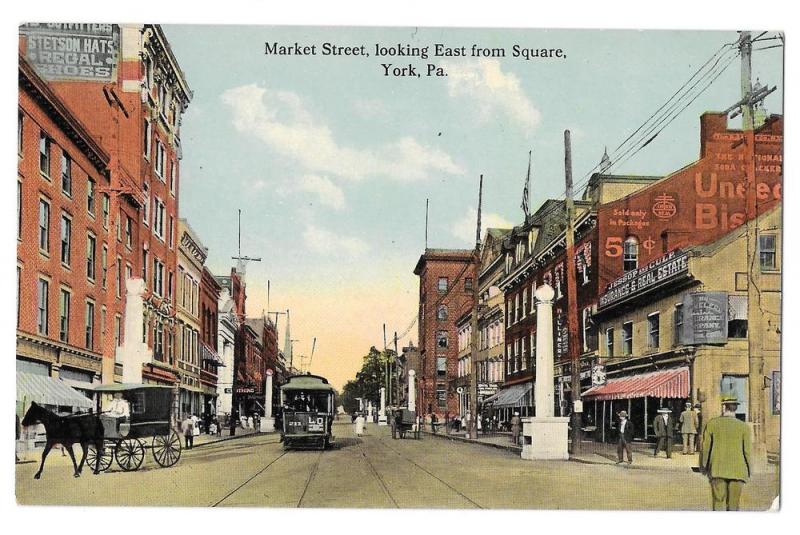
[518, 395]
[662, 384]
[49, 391]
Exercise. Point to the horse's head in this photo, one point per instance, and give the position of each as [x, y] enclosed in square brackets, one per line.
[34, 415]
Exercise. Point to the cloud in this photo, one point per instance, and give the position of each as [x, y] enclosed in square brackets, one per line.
[371, 108]
[492, 91]
[328, 193]
[464, 228]
[326, 242]
[281, 120]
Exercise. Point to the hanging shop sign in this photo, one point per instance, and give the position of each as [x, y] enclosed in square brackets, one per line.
[669, 267]
[86, 52]
[705, 318]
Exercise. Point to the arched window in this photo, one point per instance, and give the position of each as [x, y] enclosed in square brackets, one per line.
[441, 313]
[630, 257]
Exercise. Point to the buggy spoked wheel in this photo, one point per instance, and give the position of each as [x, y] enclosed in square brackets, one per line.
[167, 449]
[129, 454]
[99, 462]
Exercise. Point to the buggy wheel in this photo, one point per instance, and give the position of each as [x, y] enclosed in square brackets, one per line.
[129, 454]
[99, 462]
[167, 449]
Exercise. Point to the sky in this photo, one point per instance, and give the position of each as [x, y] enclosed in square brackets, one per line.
[331, 162]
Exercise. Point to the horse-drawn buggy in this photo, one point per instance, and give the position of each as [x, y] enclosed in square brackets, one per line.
[405, 421]
[148, 426]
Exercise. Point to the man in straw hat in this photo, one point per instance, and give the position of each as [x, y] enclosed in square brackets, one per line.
[689, 424]
[625, 437]
[663, 426]
[725, 456]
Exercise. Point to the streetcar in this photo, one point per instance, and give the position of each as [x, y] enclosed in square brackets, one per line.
[148, 427]
[308, 405]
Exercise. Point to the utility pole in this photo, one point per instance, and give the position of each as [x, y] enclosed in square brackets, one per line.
[476, 262]
[394, 372]
[242, 260]
[386, 381]
[572, 301]
[311, 359]
[426, 224]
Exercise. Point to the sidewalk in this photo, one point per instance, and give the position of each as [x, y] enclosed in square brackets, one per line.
[592, 452]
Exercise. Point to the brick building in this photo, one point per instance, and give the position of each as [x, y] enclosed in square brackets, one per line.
[209, 338]
[68, 314]
[446, 278]
[132, 105]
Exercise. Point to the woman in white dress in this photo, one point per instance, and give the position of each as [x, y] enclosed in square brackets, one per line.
[359, 425]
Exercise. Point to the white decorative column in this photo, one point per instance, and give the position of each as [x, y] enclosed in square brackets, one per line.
[412, 391]
[382, 414]
[268, 422]
[548, 433]
[133, 352]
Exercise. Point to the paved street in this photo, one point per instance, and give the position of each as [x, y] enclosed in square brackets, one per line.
[375, 471]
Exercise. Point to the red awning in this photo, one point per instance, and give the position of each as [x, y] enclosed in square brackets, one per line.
[664, 384]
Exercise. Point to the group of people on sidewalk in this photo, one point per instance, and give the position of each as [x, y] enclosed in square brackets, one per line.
[724, 445]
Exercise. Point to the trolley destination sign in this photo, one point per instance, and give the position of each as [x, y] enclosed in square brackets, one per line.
[667, 268]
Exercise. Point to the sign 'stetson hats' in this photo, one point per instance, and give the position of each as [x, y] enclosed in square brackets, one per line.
[729, 398]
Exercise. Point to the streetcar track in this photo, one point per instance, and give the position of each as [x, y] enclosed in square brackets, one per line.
[311, 475]
[434, 476]
[377, 475]
[231, 493]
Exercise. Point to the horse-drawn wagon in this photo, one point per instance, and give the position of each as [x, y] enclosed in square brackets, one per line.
[148, 426]
[405, 421]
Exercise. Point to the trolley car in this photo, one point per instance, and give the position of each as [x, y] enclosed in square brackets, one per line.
[148, 427]
[308, 411]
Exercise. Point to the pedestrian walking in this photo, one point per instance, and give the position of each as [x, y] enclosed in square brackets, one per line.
[688, 425]
[358, 426]
[625, 437]
[434, 422]
[187, 426]
[699, 436]
[725, 456]
[516, 427]
[663, 426]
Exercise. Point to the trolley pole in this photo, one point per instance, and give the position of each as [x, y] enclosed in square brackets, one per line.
[572, 302]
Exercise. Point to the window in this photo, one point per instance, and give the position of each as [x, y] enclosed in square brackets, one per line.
[169, 285]
[66, 240]
[44, 225]
[767, 252]
[158, 218]
[117, 330]
[442, 286]
[441, 313]
[43, 307]
[653, 328]
[63, 314]
[144, 265]
[172, 177]
[91, 249]
[162, 99]
[523, 354]
[147, 138]
[19, 132]
[128, 232]
[159, 166]
[441, 339]
[441, 366]
[89, 325]
[586, 323]
[146, 205]
[118, 277]
[66, 174]
[90, 196]
[171, 232]
[102, 325]
[106, 209]
[104, 265]
[737, 385]
[19, 210]
[737, 316]
[610, 342]
[509, 311]
[468, 284]
[517, 311]
[627, 338]
[441, 396]
[630, 257]
[158, 277]
[44, 155]
[677, 324]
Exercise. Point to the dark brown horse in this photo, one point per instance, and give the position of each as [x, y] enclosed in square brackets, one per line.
[67, 430]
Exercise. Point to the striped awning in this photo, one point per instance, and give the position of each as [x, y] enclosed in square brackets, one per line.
[518, 395]
[672, 383]
[210, 355]
[48, 390]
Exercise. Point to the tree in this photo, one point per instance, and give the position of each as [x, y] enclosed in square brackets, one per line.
[368, 382]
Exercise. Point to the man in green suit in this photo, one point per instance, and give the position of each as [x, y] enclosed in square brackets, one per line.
[725, 456]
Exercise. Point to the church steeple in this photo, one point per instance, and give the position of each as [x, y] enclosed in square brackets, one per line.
[605, 161]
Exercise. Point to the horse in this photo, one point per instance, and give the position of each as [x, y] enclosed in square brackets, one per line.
[67, 430]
